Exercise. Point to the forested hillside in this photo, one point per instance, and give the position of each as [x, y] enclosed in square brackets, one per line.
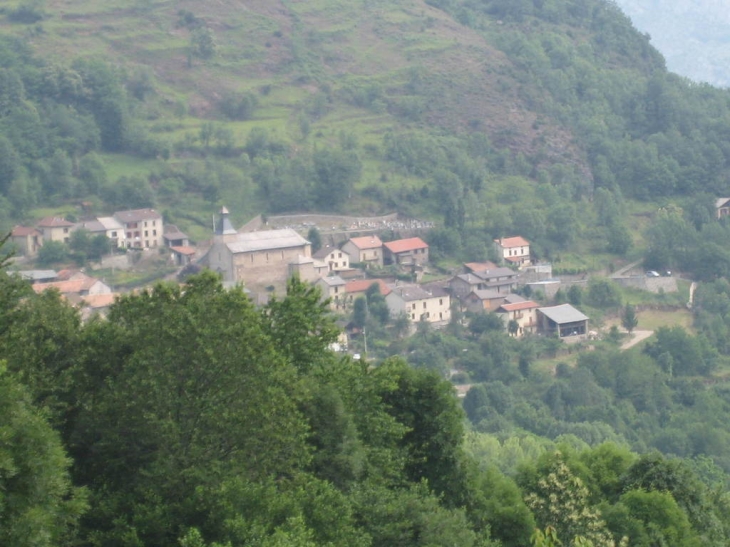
[428, 108]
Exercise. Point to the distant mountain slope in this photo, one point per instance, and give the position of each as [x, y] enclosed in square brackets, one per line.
[693, 35]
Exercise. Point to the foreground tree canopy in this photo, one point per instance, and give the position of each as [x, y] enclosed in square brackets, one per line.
[191, 418]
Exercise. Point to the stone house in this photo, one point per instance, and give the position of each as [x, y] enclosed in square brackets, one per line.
[142, 228]
[515, 250]
[55, 229]
[406, 251]
[365, 250]
[501, 280]
[262, 258]
[174, 237]
[419, 304]
[26, 240]
[333, 287]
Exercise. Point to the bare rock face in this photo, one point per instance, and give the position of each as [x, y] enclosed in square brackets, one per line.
[693, 35]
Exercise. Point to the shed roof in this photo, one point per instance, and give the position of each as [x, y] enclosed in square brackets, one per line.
[265, 240]
[565, 313]
[110, 223]
[36, 275]
[183, 250]
[405, 245]
[719, 202]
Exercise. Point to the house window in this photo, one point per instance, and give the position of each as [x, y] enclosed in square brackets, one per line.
[146, 234]
[267, 257]
[424, 305]
[441, 301]
[154, 223]
[413, 316]
[145, 224]
[114, 234]
[65, 230]
[154, 232]
[441, 315]
[146, 243]
[129, 235]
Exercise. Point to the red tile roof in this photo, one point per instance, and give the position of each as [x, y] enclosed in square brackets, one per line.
[405, 245]
[99, 300]
[54, 222]
[76, 285]
[184, 250]
[366, 242]
[362, 285]
[24, 231]
[509, 242]
[517, 306]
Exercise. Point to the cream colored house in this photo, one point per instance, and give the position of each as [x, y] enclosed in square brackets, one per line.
[524, 314]
[55, 229]
[365, 250]
[143, 228]
[419, 304]
[336, 259]
[515, 250]
[107, 226]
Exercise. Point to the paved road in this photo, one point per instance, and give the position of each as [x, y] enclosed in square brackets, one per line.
[636, 337]
[622, 271]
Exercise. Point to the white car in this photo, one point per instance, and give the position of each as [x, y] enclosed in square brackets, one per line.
[652, 273]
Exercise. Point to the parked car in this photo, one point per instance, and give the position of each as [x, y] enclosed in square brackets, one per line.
[652, 273]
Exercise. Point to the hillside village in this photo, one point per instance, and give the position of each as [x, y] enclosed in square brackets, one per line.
[262, 258]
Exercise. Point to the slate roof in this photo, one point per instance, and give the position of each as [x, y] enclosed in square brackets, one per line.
[405, 245]
[36, 275]
[136, 215]
[110, 223]
[510, 242]
[324, 251]
[409, 293]
[269, 239]
[91, 226]
[565, 313]
[480, 266]
[487, 294]
[333, 281]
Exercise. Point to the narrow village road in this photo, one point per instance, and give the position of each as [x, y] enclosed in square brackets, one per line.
[636, 337]
[692, 289]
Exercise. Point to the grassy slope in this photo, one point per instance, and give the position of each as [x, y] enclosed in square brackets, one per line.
[298, 48]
